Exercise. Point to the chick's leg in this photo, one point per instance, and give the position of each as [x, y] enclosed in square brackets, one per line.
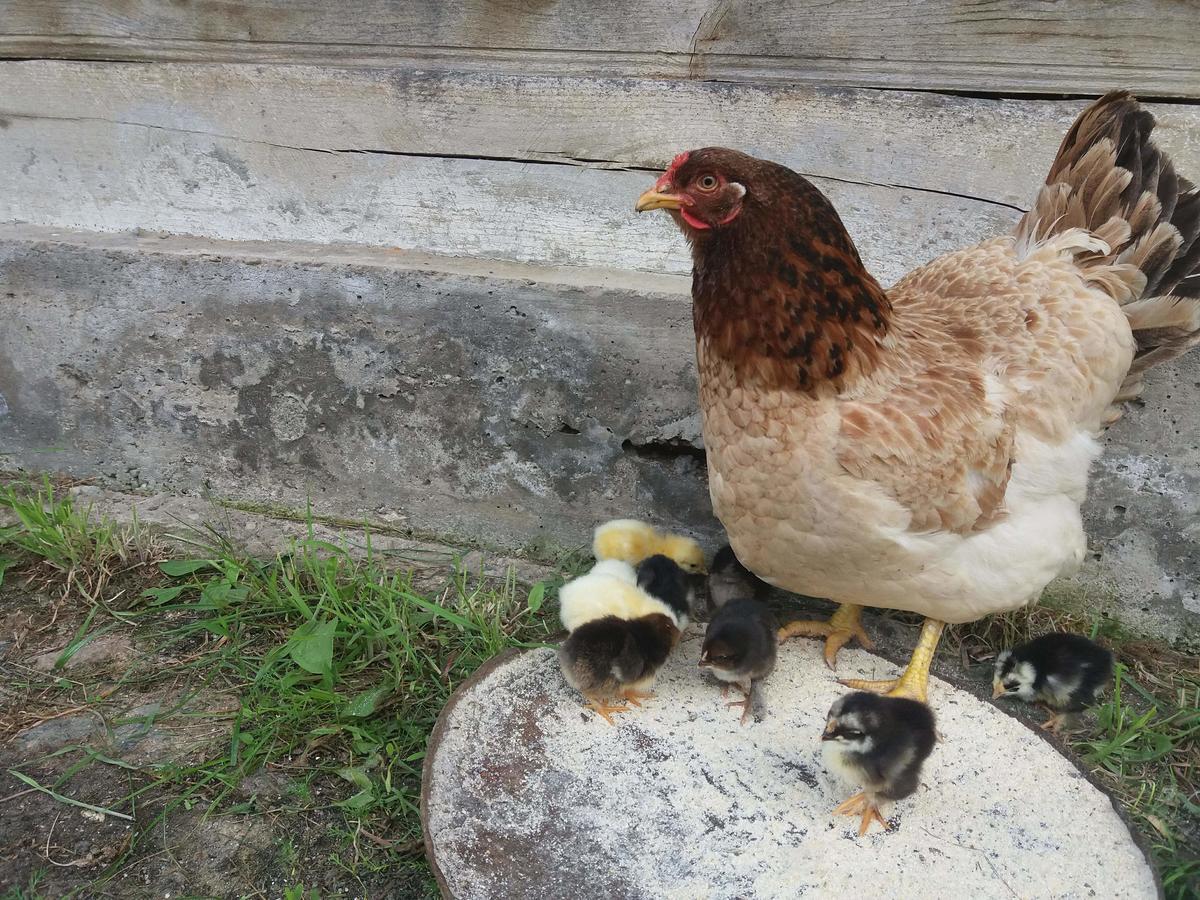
[1055, 723]
[746, 688]
[635, 696]
[605, 710]
[862, 805]
[844, 625]
[914, 683]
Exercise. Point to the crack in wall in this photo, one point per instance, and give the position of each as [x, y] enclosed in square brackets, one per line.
[532, 158]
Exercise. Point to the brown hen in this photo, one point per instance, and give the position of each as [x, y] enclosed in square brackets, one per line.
[927, 447]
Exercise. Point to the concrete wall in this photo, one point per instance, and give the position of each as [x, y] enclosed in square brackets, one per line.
[469, 399]
[522, 365]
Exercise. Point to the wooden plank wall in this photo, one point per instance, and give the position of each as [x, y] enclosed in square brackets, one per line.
[523, 129]
[985, 45]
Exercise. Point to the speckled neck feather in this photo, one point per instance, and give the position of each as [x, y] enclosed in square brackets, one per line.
[781, 293]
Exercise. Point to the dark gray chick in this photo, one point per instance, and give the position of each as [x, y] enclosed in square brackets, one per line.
[739, 647]
[729, 579]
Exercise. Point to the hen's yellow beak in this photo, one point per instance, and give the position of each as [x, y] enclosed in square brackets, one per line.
[997, 690]
[656, 199]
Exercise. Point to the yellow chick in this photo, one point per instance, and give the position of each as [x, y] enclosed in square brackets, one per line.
[633, 541]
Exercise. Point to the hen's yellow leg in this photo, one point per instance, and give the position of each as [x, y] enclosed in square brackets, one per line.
[914, 683]
[845, 624]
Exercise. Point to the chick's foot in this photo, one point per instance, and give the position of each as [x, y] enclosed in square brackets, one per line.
[861, 805]
[605, 710]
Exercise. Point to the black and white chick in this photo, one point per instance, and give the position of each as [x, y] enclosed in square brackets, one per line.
[662, 577]
[1064, 672]
[879, 744]
[728, 579]
[620, 634]
[740, 643]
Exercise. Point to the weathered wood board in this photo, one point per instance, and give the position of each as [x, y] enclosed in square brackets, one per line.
[989, 45]
[986, 149]
[520, 168]
[101, 176]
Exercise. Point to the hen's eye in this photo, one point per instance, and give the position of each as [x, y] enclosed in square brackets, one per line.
[707, 183]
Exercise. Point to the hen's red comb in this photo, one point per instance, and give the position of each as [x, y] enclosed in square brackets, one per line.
[679, 160]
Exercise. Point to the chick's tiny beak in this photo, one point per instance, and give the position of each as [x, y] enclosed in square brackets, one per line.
[830, 727]
[656, 199]
[997, 690]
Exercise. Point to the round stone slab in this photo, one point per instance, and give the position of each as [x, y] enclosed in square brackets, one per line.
[527, 795]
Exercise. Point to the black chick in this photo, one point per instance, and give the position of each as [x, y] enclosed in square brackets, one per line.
[1064, 672]
[878, 743]
[729, 579]
[664, 579]
[739, 647]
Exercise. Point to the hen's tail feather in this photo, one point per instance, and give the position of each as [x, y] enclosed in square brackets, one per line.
[1110, 179]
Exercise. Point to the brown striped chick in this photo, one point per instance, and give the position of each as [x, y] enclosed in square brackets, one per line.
[620, 635]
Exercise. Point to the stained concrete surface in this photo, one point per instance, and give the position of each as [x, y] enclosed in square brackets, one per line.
[495, 402]
[527, 795]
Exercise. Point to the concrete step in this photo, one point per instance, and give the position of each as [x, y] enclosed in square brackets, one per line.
[495, 401]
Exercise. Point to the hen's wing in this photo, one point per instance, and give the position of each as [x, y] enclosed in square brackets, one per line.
[939, 445]
[989, 347]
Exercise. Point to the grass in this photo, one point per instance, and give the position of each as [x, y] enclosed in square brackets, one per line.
[1145, 743]
[68, 545]
[339, 664]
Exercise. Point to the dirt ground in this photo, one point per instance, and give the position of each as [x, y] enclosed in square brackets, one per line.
[110, 744]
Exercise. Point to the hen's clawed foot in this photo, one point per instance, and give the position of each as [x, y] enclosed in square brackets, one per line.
[842, 627]
[914, 683]
[862, 805]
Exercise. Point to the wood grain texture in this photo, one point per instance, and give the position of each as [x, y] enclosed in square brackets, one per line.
[985, 149]
[989, 45]
[102, 176]
[520, 168]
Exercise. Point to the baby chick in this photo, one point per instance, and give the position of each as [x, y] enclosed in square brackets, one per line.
[739, 647]
[633, 541]
[664, 579]
[878, 743]
[620, 635]
[1065, 672]
[729, 579]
